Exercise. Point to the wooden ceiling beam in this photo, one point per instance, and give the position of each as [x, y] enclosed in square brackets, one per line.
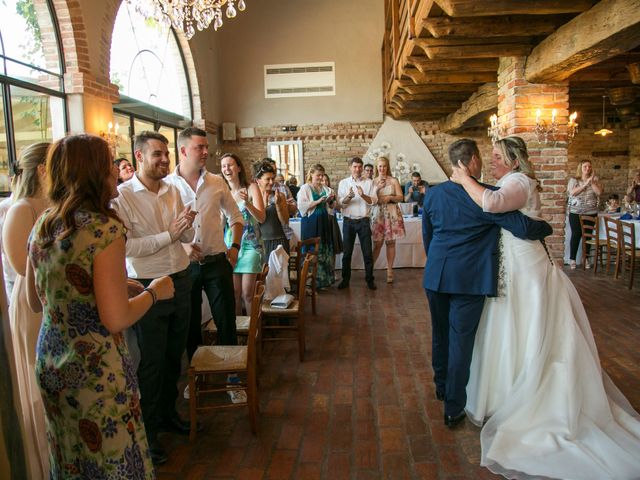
[503, 26]
[438, 49]
[474, 8]
[479, 105]
[424, 64]
[610, 28]
[437, 88]
[449, 77]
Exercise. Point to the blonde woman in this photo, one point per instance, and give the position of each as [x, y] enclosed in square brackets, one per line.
[387, 223]
[313, 201]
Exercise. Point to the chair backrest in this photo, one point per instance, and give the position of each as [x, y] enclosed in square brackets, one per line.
[628, 235]
[262, 276]
[613, 229]
[304, 247]
[589, 227]
[254, 322]
[303, 280]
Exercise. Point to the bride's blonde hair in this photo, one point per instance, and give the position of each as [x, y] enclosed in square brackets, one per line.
[515, 156]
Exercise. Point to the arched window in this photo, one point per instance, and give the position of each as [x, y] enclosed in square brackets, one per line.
[148, 67]
[33, 107]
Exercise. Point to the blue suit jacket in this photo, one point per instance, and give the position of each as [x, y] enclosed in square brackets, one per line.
[461, 241]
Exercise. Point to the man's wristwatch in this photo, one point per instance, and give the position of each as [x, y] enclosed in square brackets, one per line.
[236, 246]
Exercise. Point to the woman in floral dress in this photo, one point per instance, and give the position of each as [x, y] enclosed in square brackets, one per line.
[76, 276]
[387, 224]
[313, 199]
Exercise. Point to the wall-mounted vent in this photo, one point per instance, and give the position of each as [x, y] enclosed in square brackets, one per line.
[300, 80]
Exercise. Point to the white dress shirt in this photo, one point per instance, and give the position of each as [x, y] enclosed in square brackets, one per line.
[211, 199]
[147, 216]
[356, 208]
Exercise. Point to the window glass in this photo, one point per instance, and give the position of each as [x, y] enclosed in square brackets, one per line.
[4, 154]
[146, 62]
[28, 43]
[37, 117]
[170, 133]
[123, 141]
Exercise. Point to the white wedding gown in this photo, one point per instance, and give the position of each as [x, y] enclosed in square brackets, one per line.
[552, 412]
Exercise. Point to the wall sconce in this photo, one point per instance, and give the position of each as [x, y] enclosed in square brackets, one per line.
[495, 131]
[111, 136]
[572, 126]
[544, 131]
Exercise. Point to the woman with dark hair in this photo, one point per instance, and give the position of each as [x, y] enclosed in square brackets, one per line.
[29, 202]
[251, 255]
[125, 169]
[313, 201]
[76, 276]
[277, 214]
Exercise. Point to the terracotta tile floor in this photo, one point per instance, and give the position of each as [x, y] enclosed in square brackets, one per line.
[362, 405]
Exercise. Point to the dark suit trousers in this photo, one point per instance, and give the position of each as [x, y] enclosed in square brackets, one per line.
[362, 228]
[216, 279]
[162, 338]
[454, 321]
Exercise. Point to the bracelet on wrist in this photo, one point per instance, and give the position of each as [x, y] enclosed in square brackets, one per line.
[154, 296]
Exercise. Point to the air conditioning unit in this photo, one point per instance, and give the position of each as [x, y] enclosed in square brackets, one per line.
[300, 80]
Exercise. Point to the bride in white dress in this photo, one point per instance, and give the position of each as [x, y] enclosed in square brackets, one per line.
[536, 379]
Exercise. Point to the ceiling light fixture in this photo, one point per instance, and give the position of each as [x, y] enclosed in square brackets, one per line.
[603, 132]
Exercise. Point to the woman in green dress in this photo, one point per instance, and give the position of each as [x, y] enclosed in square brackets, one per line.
[251, 255]
[313, 201]
[76, 276]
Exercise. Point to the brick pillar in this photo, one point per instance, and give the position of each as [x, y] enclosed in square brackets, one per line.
[518, 101]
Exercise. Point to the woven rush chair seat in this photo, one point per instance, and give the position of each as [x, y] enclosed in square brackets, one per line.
[292, 310]
[223, 358]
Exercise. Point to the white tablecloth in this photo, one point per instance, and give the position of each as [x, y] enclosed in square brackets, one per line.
[603, 234]
[409, 250]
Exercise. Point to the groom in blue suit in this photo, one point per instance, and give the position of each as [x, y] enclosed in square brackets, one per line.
[461, 243]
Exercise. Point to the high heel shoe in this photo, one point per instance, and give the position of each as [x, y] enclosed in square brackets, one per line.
[389, 277]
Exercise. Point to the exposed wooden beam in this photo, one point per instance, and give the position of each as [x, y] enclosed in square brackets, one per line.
[608, 29]
[449, 77]
[436, 88]
[479, 104]
[474, 8]
[424, 64]
[516, 26]
[465, 49]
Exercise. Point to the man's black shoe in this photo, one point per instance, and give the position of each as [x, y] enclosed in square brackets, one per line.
[158, 453]
[440, 396]
[177, 425]
[371, 286]
[452, 421]
[343, 285]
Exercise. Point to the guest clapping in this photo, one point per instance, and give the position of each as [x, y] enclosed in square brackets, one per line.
[277, 214]
[76, 274]
[125, 169]
[584, 190]
[634, 187]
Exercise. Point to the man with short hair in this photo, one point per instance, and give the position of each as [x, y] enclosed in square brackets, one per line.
[368, 171]
[356, 194]
[212, 262]
[461, 243]
[415, 190]
[157, 222]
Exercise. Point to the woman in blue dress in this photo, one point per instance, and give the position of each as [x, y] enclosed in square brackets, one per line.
[313, 201]
[251, 255]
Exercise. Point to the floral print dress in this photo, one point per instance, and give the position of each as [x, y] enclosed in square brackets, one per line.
[86, 377]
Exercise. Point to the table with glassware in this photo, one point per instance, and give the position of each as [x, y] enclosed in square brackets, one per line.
[409, 250]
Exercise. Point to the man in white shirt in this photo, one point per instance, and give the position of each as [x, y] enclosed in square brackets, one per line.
[356, 195]
[157, 222]
[211, 262]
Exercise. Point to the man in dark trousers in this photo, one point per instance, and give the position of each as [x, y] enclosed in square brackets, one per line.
[461, 243]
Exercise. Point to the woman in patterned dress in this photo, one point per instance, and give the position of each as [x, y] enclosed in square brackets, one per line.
[251, 255]
[76, 276]
[387, 224]
[313, 201]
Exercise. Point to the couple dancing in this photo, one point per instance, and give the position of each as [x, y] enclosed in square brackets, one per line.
[533, 373]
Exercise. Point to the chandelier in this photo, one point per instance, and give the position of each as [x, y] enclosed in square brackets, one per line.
[187, 15]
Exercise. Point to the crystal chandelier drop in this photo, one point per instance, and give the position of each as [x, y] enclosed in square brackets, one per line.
[187, 15]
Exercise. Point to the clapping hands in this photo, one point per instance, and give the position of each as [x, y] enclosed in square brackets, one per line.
[183, 222]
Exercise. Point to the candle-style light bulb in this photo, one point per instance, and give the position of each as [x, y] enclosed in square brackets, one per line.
[553, 116]
[116, 128]
[109, 127]
[538, 116]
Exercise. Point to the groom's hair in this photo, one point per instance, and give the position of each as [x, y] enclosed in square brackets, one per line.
[463, 150]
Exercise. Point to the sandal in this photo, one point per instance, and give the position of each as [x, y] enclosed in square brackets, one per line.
[389, 277]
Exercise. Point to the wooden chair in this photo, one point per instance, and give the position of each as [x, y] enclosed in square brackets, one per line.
[310, 246]
[294, 313]
[211, 361]
[590, 231]
[210, 330]
[629, 250]
[613, 230]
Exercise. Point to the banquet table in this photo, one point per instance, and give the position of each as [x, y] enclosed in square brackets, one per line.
[409, 250]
